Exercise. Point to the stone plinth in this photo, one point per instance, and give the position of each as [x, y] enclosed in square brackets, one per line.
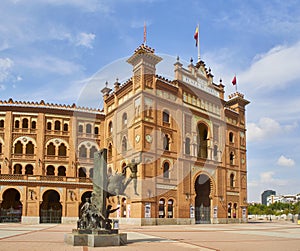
[99, 238]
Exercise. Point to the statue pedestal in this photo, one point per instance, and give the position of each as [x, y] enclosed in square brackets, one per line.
[96, 238]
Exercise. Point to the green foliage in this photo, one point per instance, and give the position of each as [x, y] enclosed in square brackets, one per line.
[276, 208]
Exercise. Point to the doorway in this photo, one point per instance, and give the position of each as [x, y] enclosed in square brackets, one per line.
[202, 200]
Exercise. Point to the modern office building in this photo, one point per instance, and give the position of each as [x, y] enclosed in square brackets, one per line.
[265, 195]
[189, 141]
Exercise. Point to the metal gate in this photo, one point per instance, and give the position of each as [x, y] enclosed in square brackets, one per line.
[202, 215]
[10, 215]
[50, 216]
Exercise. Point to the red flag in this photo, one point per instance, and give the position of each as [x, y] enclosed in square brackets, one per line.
[234, 80]
[196, 35]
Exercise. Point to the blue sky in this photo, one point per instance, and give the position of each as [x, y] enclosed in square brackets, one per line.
[51, 49]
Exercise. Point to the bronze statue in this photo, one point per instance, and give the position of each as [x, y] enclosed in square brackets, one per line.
[94, 212]
[133, 176]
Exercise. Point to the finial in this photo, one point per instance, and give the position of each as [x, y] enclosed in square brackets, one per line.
[178, 58]
[106, 84]
[191, 60]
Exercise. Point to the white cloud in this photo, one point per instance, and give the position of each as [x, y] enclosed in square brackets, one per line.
[284, 161]
[266, 128]
[51, 64]
[267, 179]
[6, 65]
[274, 69]
[85, 39]
[90, 5]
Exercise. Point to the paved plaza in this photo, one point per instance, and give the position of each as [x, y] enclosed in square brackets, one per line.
[241, 237]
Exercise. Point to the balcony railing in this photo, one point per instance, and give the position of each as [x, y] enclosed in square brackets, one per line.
[44, 179]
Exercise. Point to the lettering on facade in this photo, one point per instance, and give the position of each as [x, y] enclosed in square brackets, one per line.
[200, 84]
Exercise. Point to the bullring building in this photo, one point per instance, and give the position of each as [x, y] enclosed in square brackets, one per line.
[189, 140]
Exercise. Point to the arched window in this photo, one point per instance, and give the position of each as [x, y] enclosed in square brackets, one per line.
[166, 142]
[50, 170]
[61, 171]
[88, 128]
[49, 126]
[57, 125]
[92, 151]
[66, 127]
[231, 180]
[29, 169]
[17, 124]
[62, 150]
[166, 116]
[29, 148]
[124, 119]
[215, 152]
[124, 144]
[0, 148]
[161, 208]
[1, 123]
[109, 152]
[231, 157]
[124, 170]
[80, 128]
[91, 173]
[202, 140]
[170, 208]
[110, 128]
[25, 123]
[82, 172]
[17, 169]
[96, 130]
[187, 146]
[231, 138]
[18, 147]
[82, 151]
[166, 170]
[51, 149]
[33, 124]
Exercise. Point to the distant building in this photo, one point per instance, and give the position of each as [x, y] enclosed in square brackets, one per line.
[265, 195]
[282, 198]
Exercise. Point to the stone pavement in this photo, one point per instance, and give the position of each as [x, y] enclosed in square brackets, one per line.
[240, 237]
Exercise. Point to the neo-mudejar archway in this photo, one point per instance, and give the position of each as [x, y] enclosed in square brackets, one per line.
[11, 206]
[51, 208]
[202, 200]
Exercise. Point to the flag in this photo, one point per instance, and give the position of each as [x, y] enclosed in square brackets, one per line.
[196, 35]
[234, 80]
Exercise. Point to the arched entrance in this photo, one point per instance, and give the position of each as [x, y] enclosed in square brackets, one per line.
[85, 195]
[11, 206]
[50, 209]
[202, 200]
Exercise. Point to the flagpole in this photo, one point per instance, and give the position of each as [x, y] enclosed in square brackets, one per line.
[236, 83]
[145, 33]
[198, 42]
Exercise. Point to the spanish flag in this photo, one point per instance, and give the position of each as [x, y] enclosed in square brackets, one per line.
[196, 35]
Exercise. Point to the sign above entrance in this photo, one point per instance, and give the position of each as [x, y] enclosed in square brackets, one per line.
[201, 84]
